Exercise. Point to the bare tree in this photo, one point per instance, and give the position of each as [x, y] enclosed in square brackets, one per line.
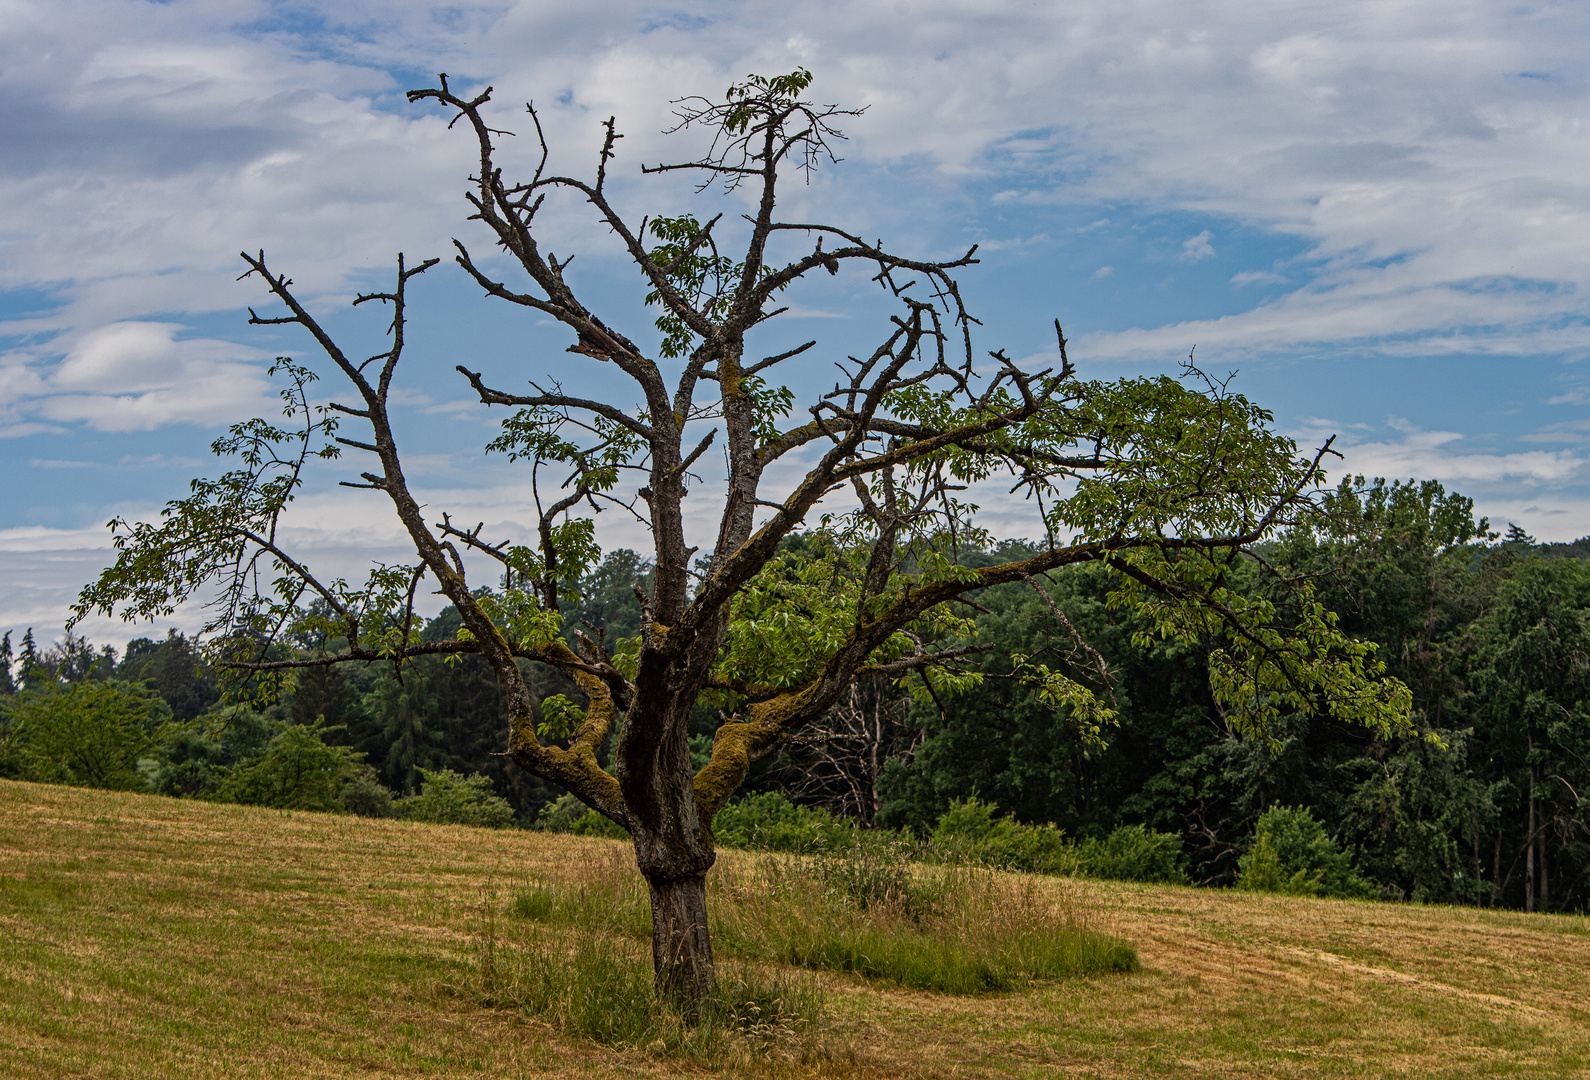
[1165, 480]
[838, 760]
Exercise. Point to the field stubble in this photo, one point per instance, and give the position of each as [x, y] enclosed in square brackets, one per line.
[148, 937]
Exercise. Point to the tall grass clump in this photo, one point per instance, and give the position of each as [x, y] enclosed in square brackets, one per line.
[951, 929]
[578, 950]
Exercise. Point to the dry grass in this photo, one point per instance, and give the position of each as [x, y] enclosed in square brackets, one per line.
[146, 937]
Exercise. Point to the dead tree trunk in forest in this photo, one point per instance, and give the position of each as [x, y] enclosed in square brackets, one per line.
[1529, 837]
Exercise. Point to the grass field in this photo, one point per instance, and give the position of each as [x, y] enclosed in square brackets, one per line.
[147, 937]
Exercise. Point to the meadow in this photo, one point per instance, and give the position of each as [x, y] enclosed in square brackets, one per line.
[142, 936]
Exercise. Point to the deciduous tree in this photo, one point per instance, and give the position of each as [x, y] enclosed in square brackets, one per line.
[1167, 481]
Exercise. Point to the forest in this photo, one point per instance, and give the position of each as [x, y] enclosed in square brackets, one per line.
[1480, 806]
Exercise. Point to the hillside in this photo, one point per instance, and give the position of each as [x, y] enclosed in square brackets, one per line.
[148, 937]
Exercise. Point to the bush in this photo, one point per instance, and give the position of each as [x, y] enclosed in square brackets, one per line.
[591, 823]
[447, 798]
[194, 759]
[560, 814]
[768, 821]
[366, 796]
[297, 771]
[566, 814]
[1293, 854]
[1133, 853]
[969, 832]
[87, 734]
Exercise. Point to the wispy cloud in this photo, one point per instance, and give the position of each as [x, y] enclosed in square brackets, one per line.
[1197, 248]
[136, 376]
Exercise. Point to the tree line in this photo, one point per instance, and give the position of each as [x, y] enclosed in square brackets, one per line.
[1480, 805]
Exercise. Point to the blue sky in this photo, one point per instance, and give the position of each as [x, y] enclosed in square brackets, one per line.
[1376, 214]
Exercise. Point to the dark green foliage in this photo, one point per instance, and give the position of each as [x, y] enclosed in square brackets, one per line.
[297, 771]
[365, 795]
[174, 671]
[1409, 817]
[607, 600]
[969, 831]
[8, 663]
[1482, 807]
[446, 798]
[432, 715]
[1132, 853]
[1293, 854]
[560, 814]
[28, 660]
[591, 823]
[196, 758]
[768, 821]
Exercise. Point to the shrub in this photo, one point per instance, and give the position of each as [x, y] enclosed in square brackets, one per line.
[87, 734]
[1132, 853]
[1293, 854]
[297, 771]
[366, 796]
[768, 821]
[567, 814]
[195, 758]
[592, 823]
[560, 814]
[448, 798]
[969, 832]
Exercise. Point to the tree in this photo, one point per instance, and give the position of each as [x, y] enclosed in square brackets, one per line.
[28, 659]
[297, 771]
[1166, 481]
[8, 684]
[87, 734]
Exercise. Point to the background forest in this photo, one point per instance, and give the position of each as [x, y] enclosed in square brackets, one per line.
[1491, 633]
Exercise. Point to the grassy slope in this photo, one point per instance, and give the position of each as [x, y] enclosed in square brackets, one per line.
[142, 936]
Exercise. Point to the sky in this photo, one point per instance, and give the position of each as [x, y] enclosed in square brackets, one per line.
[1376, 214]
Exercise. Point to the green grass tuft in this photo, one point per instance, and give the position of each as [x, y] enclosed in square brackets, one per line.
[953, 930]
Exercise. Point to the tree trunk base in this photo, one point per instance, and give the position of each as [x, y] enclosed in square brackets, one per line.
[680, 945]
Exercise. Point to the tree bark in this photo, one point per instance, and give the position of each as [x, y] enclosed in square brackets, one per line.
[1545, 878]
[681, 948]
[1529, 848]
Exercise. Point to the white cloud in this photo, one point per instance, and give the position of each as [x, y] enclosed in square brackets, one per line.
[1256, 277]
[1441, 455]
[1103, 272]
[136, 376]
[1196, 248]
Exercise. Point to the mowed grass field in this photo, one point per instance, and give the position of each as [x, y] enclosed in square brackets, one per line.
[149, 937]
